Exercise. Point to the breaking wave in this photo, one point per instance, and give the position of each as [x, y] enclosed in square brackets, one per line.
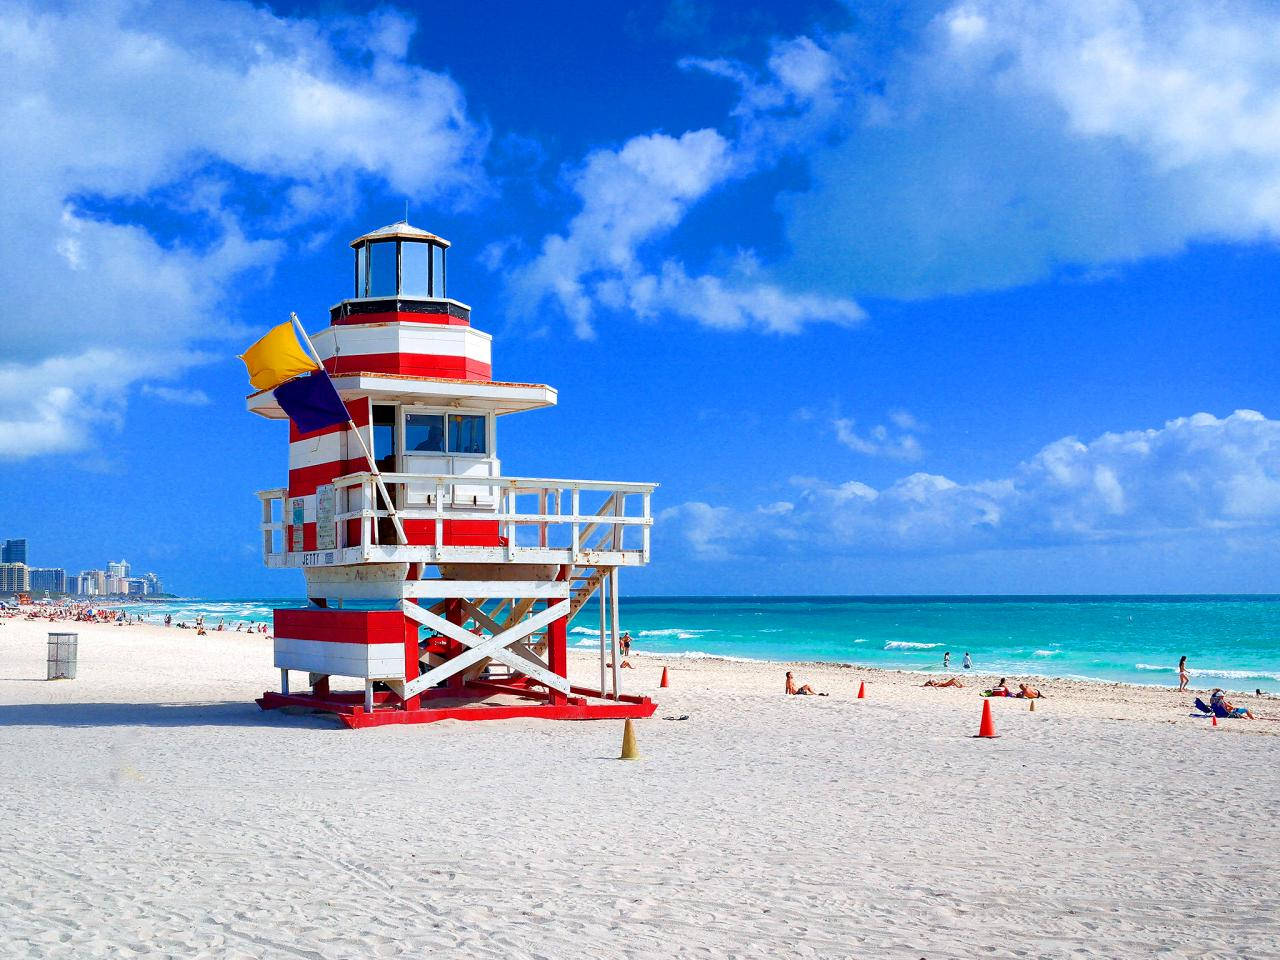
[909, 645]
[1221, 674]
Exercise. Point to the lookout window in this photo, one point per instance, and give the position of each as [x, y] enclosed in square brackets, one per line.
[413, 269]
[466, 433]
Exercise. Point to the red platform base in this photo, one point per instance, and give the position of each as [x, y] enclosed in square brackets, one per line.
[468, 703]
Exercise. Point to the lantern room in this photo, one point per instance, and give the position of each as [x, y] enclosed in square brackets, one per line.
[400, 261]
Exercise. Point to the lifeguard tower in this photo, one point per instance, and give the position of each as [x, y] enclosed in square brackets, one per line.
[446, 588]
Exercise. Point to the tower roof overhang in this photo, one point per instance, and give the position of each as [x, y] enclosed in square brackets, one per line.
[497, 396]
[401, 230]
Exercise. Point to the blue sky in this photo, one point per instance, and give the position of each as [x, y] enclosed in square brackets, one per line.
[890, 298]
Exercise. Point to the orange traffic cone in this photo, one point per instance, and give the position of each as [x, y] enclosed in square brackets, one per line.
[1215, 719]
[862, 691]
[987, 728]
[663, 681]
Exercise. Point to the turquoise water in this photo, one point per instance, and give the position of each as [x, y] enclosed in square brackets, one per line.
[1229, 641]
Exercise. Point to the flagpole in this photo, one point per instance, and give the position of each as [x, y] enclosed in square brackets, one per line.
[373, 466]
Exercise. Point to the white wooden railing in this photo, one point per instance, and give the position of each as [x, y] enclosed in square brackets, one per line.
[586, 522]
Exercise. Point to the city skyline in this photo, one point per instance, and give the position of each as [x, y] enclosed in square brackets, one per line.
[17, 575]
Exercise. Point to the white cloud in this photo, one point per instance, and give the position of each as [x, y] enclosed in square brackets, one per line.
[1194, 476]
[880, 441]
[59, 403]
[1006, 141]
[904, 420]
[638, 194]
[120, 115]
[189, 398]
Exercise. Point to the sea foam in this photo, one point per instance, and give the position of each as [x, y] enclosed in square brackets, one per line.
[909, 645]
[1222, 674]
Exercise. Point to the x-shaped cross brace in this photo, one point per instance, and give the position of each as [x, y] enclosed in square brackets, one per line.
[494, 647]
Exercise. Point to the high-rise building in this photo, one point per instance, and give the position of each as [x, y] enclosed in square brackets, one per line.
[118, 570]
[14, 578]
[53, 579]
[14, 551]
[155, 586]
[91, 583]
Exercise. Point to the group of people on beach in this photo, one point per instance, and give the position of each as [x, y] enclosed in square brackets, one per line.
[87, 613]
[70, 612]
[248, 626]
[1001, 689]
[1025, 690]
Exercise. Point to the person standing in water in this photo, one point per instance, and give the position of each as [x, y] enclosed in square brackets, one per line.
[968, 661]
[1183, 676]
[946, 660]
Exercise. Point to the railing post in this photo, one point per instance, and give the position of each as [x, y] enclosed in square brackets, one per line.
[439, 538]
[619, 510]
[367, 509]
[267, 534]
[647, 528]
[542, 524]
[510, 493]
[575, 502]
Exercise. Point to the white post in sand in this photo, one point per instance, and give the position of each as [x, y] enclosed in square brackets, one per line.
[284, 681]
[368, 696]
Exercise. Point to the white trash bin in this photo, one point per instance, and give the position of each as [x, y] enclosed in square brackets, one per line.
[62, 656]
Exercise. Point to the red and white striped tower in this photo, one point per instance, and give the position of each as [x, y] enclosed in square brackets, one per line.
[451, 594]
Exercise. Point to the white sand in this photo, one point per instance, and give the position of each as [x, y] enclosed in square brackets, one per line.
[153, 812]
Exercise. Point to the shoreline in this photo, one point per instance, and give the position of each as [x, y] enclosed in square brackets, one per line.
[971, 677]
[1085, 698]
[168, 815]
[938, 672]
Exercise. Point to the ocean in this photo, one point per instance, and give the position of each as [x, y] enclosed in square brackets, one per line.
[1229, 641]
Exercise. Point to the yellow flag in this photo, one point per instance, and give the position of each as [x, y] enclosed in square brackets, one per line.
[277, 357]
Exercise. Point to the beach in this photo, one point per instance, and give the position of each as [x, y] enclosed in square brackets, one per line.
[152, 810]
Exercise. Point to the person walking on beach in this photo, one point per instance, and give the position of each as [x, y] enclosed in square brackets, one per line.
[946, 660]
[968, 661]
[1183, 676]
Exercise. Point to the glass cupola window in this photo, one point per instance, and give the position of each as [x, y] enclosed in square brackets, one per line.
[400, 261]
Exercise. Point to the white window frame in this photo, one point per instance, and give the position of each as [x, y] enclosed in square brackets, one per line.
[489, 432]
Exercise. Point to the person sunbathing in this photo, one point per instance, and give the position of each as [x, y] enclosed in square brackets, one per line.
[999, 690]
[1220, 703]
[1027, 692]
[952, 682]
[804, 691]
